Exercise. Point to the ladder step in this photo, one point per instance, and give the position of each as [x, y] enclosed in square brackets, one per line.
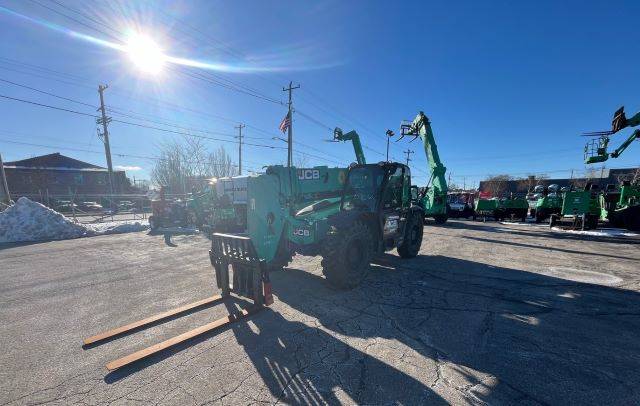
[149, 320]
[138, 355]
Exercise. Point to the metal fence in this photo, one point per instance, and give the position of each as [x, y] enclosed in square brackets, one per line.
[89, 208]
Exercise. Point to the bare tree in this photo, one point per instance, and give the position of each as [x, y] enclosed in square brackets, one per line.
[187, 164]
[301, 161]
[633, 177]
[219, 164]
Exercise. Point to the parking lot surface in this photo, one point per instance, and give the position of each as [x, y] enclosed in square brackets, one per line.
[487, 314]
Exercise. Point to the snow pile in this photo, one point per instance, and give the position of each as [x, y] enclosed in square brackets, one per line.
[528, 223]
[601, 232]
[27, 220]
[116, 227]
[30, 221]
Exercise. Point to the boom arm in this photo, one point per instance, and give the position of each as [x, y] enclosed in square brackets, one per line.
[634, 136]
[620, 121]
[421, 127]
[352, 136]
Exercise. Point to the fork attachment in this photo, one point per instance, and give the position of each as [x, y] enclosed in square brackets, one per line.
[250, 275]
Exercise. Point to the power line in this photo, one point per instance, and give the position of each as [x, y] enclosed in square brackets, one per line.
[54, 147]
[134, 124]
[47, 93]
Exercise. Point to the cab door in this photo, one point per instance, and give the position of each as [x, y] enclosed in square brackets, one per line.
[396, 196]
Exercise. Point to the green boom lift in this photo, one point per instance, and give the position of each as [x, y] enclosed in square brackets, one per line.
[621, 208]
[434, 198]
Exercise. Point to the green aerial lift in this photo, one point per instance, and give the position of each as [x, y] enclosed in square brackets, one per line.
[434, 195]
[596, 150]
[621, 208]
[580, 208]
[549, 202]
[514, 207]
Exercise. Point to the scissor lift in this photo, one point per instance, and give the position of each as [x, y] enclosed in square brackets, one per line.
[250, 279]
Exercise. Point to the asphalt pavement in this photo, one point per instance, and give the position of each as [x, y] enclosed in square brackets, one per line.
[486, 314]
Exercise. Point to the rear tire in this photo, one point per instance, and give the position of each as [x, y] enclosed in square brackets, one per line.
[347, 256]
[412, 237]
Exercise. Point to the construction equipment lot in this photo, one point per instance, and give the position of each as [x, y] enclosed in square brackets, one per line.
[487, 312]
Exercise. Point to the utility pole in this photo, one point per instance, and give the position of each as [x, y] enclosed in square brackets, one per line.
[105, 139]
[408, 152]
[5, 196]
[290, 133]
[239, 137]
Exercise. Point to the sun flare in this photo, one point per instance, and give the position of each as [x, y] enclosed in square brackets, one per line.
[145, 54]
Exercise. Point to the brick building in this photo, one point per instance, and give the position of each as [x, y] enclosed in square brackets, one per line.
[55, 175]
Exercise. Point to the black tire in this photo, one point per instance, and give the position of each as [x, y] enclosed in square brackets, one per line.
[632, 218]
[440, 218]
[153, 224]
[592, 222]
[347, 256]
[552, 220]
[282, 258]
[496, 215]
[412, 237]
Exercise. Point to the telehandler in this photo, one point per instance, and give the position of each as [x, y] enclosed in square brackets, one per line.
[433, 198]
[345, 215]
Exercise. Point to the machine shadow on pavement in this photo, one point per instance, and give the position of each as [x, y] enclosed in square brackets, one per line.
[495, 334]
[499, 334]
[542, 230]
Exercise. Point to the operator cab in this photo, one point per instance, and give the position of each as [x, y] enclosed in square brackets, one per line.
[380, 190]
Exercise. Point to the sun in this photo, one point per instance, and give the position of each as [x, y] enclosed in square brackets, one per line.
[145, 54]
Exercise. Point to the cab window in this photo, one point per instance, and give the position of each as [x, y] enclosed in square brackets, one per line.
[393, 193]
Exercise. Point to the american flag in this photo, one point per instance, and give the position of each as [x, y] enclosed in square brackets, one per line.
[285, 123]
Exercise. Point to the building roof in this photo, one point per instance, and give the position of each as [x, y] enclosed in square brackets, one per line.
[54, 161]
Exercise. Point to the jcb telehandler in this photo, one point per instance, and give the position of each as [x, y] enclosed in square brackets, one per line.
[433, 198]
[371, 213]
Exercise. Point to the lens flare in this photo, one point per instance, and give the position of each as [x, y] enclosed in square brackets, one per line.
[145, 54]
[149, 58]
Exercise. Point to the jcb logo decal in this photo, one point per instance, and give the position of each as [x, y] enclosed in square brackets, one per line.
[301, 232]
[308, 174]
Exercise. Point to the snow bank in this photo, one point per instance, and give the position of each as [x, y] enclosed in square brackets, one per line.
[27, 220]
[115, 227]
[30, 221]
[601, 232]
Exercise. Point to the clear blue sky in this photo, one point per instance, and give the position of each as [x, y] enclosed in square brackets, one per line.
[508, 86]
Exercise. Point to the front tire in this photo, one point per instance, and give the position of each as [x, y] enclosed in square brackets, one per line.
[440, 218]
[347, 256]
[153, 223]
[412, 237]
